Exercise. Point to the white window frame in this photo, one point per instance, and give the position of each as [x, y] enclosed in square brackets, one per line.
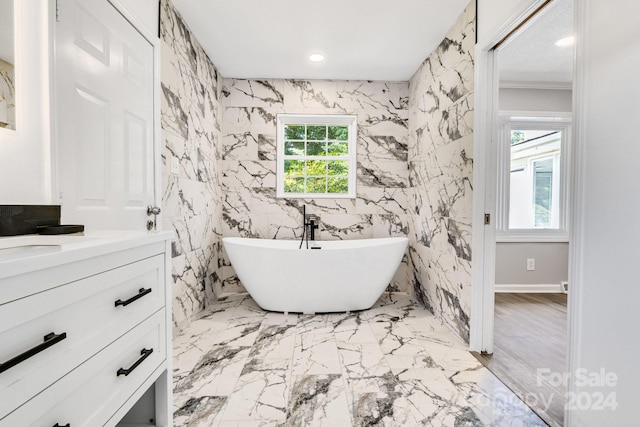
[506, 123]
[317, 119]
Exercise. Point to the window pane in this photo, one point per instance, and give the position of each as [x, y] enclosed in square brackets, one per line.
[294, 132]
[316, 168]
[338, 167]
[543, 186]
[316, 158]
[338, 185]
[294, 148]
[534, 178]
[294, 185]
[340, 133]
[316, 148]
[317, 132]
[316, 185]
[517, 136]
[293, 168]
[338, 149]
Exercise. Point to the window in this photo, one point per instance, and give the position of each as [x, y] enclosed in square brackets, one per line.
[533, 183]
[316, 156]
[543, 192]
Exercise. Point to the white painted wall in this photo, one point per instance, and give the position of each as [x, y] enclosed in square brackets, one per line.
[146, 11]
[605, 254]
[551, 263]
[25, 154]
[540, 100]
[492, 14]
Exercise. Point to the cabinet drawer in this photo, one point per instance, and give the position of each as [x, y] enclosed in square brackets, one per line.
[86, 311]
[90, 394]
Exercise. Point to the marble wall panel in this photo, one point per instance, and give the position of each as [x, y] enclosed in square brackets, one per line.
[439, 196]
[7, 95]
[192, 194]
[249, 152]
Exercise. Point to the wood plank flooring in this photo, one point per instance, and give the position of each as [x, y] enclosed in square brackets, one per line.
[531, 335]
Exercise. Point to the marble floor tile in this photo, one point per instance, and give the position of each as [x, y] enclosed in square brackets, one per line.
[214, 375]
[392, 365]
[318, 400]
[260, 393]
[362, 360]
[316, 353]
[274, 341]
[199, 411]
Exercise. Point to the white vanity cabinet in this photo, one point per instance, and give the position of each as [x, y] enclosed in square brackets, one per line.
[85, 332]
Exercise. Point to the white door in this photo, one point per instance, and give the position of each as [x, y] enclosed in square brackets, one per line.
[104, 110]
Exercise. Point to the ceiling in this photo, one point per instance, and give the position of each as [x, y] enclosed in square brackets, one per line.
[531, 57]
[361, 39]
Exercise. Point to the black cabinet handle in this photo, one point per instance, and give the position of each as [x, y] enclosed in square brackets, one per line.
[142, 292]
[145, 353]
[49, 340]
[66, 425]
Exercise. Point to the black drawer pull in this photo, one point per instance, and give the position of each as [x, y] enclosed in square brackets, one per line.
[142, 292]
[66, 425]
[145, 353]
[49, 340]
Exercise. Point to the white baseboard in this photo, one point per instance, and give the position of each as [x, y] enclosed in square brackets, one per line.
[530, 289]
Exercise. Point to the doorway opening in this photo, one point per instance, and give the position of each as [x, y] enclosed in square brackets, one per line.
[526, 264]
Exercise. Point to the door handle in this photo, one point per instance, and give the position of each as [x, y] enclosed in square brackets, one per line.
[155, 211]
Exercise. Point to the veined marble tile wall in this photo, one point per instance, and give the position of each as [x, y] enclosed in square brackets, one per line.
[250, 207]
[7, 95]
[441, 173]
[192, 198]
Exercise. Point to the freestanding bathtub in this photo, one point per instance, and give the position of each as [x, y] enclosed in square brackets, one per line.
[343, 275]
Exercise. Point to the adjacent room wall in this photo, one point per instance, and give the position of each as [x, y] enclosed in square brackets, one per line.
[551, 265]
[535, 100]
[191, 199]
[441, 172]
[249, 162]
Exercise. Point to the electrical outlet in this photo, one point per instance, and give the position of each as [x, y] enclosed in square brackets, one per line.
[531, 264]
[175, 165]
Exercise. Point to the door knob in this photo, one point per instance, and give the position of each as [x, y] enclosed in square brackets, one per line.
[155, 211]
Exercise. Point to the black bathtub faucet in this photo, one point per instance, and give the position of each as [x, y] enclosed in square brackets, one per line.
[310, 223]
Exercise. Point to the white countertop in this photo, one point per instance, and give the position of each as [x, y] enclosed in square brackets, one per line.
[21, 254]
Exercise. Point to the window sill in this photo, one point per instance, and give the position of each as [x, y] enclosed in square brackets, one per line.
[315, 196]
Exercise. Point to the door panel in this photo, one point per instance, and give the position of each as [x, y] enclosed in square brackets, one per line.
[92, 130]
[104, 117]
[137, 176]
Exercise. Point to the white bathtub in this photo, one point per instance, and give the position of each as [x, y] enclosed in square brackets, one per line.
[344, 275]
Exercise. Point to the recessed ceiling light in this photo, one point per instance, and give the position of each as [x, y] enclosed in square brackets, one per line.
[566, 41]
[316, 57]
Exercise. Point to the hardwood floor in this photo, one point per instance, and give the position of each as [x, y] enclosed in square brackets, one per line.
[530, 336]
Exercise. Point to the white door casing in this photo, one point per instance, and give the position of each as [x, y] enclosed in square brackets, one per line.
[106, 116]
[485, 172]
